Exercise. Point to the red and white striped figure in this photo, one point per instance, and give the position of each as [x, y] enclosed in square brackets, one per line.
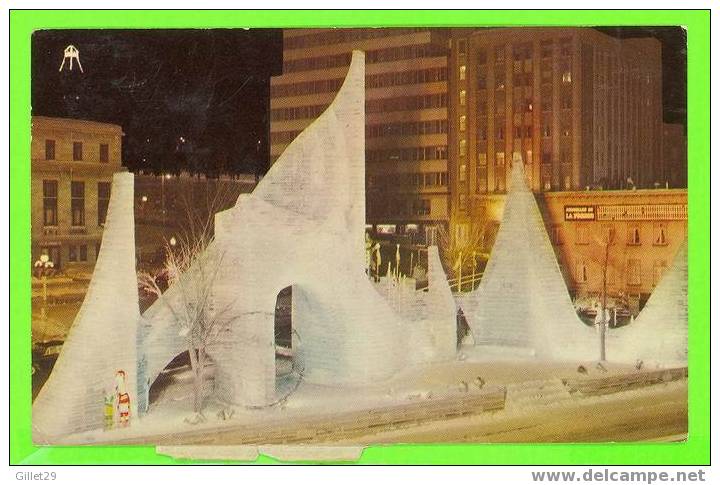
[122, 398]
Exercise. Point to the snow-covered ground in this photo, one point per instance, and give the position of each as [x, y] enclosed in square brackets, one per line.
[170, 408]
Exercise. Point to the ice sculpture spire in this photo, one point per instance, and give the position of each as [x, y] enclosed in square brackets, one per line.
[103, 338]
[522, 302]
[660, 333]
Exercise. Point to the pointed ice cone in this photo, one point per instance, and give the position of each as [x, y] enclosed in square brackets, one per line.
[522, 303]
[660, 332]
[101, 345]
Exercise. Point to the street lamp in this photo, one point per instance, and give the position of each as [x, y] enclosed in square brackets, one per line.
[44, 267]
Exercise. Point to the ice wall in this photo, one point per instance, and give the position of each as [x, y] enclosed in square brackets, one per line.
[304, 226]
[103, 337]
[522, 304]
[660, 333]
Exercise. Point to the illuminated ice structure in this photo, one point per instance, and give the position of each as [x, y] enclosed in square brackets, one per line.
[103, 337]
[303, 226]
[660, 333]
[522, 306]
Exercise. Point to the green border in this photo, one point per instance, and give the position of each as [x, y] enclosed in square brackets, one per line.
[695, 451]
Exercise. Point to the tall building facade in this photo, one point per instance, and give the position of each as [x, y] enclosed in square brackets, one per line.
[674, 153]
[583, 109]
[406, 130]
[73, 162]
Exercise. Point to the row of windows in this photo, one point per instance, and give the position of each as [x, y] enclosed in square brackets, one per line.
[402, 207]
[77, 202]
[429, 127]
[634, 235]
[521, 52]
[343, 36]
[75, 253]
[371, 57]
[407, 103]
[410, 154]
[283, 137]
[50, 151]
[403, 103]
[386, 79]
[409, 180]
[633, 271]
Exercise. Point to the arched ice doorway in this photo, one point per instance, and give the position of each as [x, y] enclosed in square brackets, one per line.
[286, 339]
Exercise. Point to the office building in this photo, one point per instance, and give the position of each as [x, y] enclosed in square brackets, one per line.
[583, 109]
[72, 166]
[406, 116]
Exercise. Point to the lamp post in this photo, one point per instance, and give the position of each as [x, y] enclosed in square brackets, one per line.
[43, 267]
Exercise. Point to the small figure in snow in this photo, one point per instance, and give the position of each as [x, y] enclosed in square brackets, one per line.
[601, 367]
[638, 364]
[582, 370]
[464, 386]
[479, 382]
[123, 398]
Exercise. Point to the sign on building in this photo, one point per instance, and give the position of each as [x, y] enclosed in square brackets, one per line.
[579, 212]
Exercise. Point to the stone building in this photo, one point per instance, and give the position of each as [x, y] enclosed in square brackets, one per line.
[406, 115]
[645, 226]
[72, 166]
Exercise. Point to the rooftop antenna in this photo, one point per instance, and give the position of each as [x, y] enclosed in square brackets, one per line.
[71, 53]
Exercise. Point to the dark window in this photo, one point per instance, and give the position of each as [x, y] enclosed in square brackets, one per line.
[83, 252]
[104, 153]
[50, 192]
[72, 253]
[77, 203]
[49, 149]
[103, 189]
[77, 150]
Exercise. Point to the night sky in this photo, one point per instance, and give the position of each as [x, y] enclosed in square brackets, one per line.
[197, 100]
[186, 99]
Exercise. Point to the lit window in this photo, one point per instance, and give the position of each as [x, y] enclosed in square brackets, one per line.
[462, 204]
[104, 153]
[581, 271]
[49, 149]
[463, 123]
[634, 236]
[556, 235]
[463, 97]
[50, 202]
[77, 203]
[567, 77]
[608, 234]
[463, 72]
[77, 151]
[103, 201]
[581, 234]
[463, 148]
[462, 175]
[633, 272]
[660, 235]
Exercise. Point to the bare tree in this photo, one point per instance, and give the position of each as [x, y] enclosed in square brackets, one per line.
[604, 259]
[191, 266]
[460, 256]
